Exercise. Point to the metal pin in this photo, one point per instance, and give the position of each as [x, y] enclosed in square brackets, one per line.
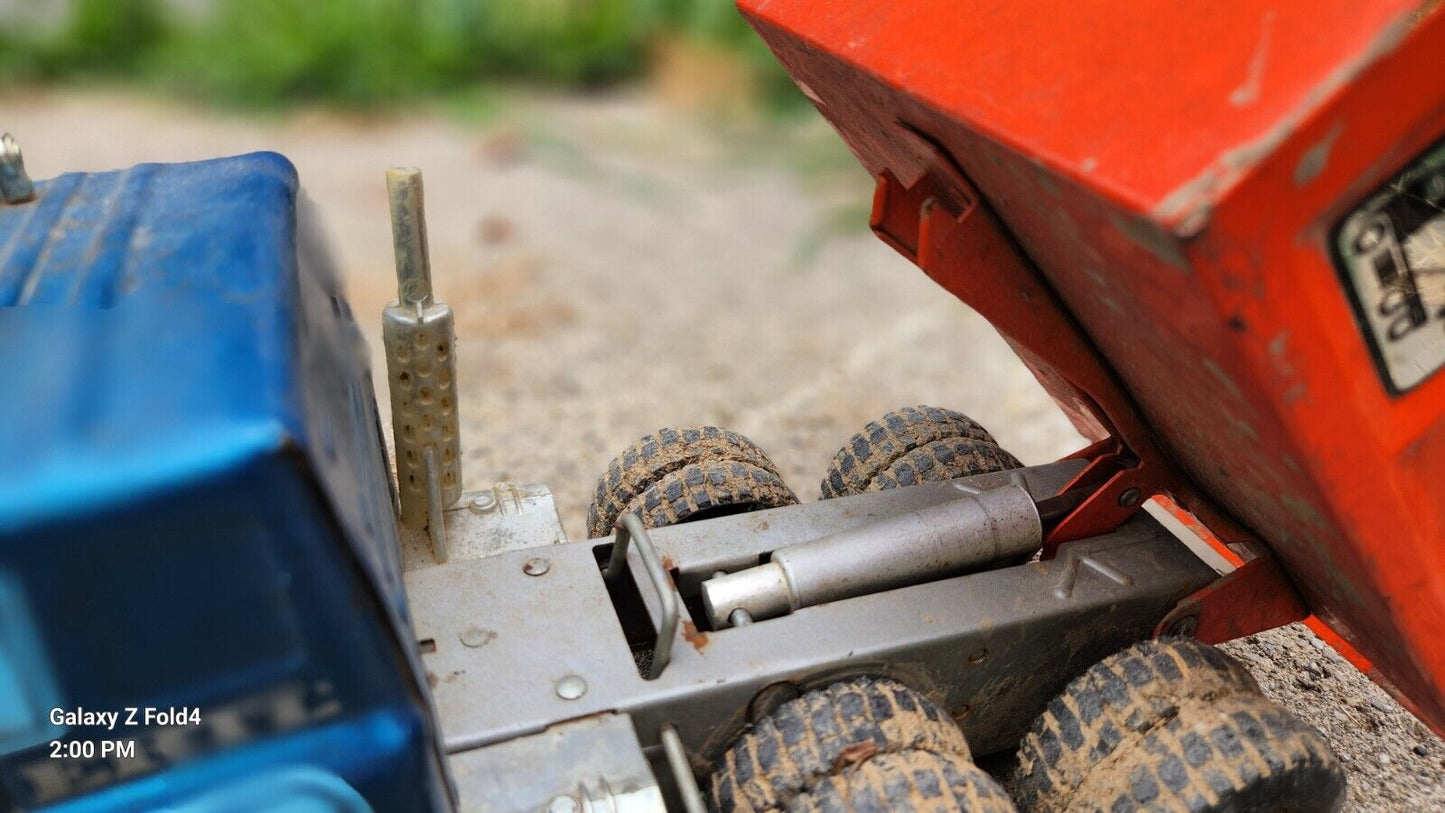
[435, 524]
[672, 747]
[419, 335]
[15, 185]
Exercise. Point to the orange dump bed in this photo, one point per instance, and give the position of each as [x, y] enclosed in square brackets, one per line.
[1217, 233]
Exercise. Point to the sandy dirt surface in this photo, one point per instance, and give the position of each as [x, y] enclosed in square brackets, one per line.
[616, 267]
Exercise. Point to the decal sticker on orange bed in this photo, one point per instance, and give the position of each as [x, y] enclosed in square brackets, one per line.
[1391, 252]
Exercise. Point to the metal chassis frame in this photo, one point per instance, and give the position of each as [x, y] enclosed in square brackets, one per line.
[526, 638]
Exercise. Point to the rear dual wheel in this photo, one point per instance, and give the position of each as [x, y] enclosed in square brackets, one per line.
[858, 745]
[913, 445]
[681, 475]
[678, 475]
[1173, 724]
[1165, 725]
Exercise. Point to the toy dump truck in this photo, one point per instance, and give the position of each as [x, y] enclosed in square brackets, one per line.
[1215, 234]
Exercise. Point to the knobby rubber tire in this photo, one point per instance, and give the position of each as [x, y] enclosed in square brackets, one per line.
[657, 455]
[1239, 754]
[944, 460]
[824, 732]
[1122, 724]
[906, 782]
[707, 489]
[870, 460]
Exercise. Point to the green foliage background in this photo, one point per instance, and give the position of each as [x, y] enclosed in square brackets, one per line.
[363, 53]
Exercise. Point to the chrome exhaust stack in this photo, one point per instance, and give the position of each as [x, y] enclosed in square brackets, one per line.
[419, 335]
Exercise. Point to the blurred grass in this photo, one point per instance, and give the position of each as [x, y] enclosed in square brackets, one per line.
[370, 53]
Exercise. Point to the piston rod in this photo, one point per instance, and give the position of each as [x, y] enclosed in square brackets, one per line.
[931, 543]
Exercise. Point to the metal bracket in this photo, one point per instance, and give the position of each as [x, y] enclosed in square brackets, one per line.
[1253, 597]
[630, 528]
[508, 516]
[591, 765]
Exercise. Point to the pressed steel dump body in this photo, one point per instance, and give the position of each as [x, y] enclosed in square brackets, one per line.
[1164, 208]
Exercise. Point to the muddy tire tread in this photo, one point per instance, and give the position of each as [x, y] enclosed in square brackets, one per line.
[698, 488]
[1239, 754]
[800, 743]
[653, 457]
[943, 460]
[1135, 708]
[906, 782]
[886, 441]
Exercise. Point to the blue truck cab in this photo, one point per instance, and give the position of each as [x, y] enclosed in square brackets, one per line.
[201, 600]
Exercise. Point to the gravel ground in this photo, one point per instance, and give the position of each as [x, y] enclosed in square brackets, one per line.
[616, 267]
[1394, 762]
